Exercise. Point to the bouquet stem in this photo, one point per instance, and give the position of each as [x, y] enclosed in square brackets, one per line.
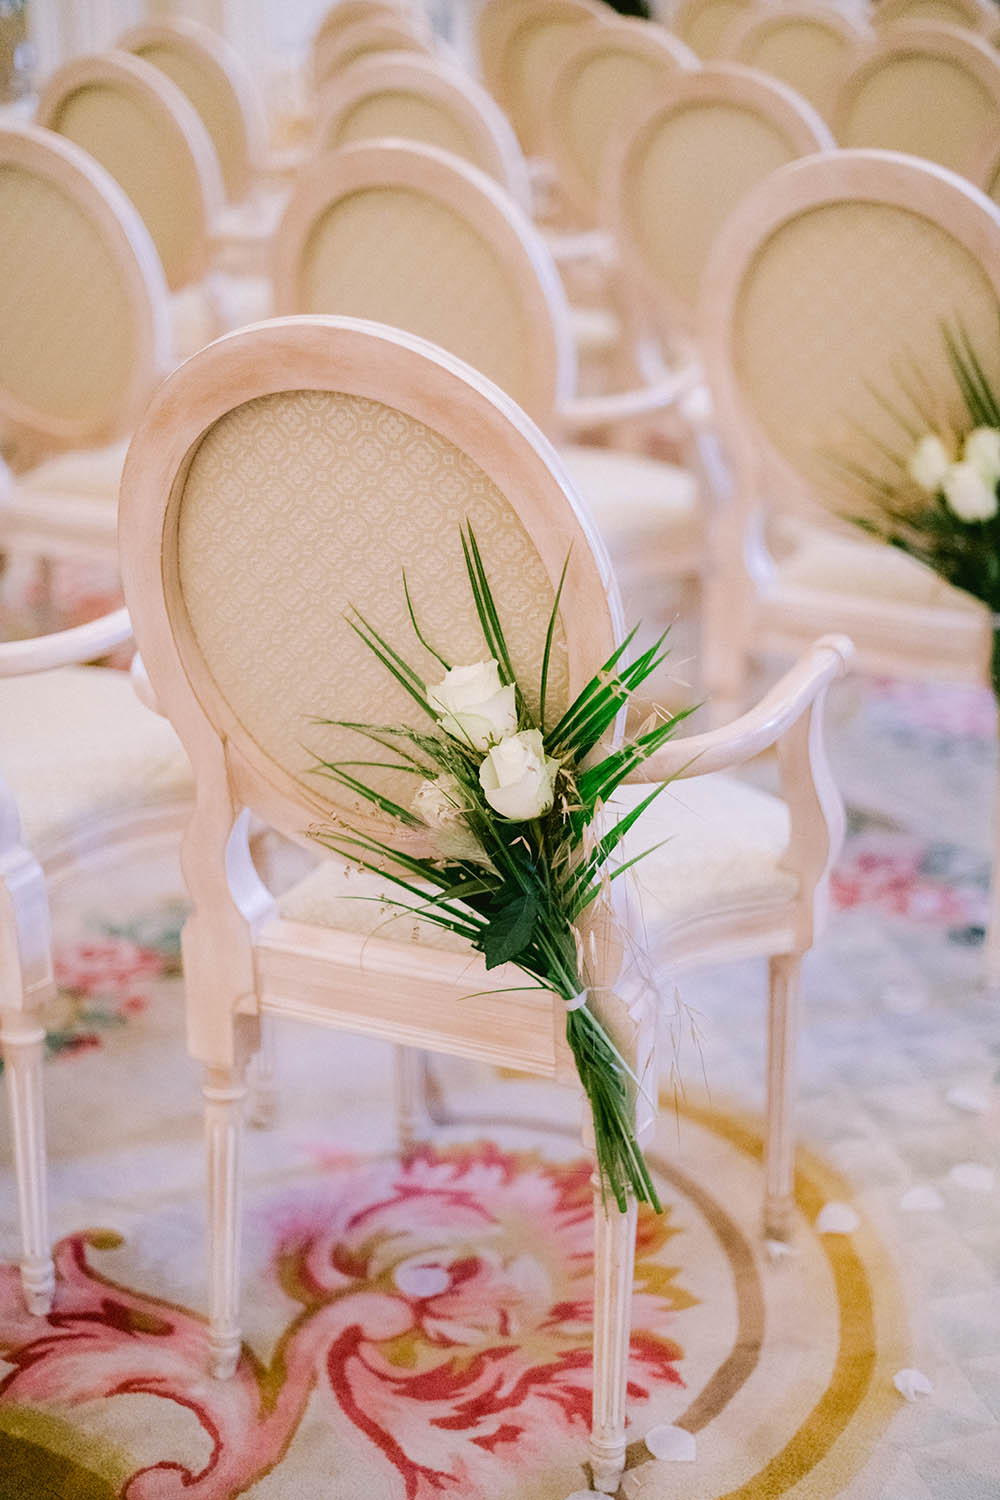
[620, 1161]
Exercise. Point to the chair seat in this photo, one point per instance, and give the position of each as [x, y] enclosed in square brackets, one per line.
[842, 565]
[81, 473]
[199, 313]
[84, 748]
[596, 331]
[724, 843]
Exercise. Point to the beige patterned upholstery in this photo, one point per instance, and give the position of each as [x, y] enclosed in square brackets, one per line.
[85, 747]
[702, 24]
[218, 106]
[822, 322]
[69, 334]
[298, 506]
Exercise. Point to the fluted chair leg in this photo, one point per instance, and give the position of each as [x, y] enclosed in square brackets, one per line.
[22, 1041]
[224, 1091]
[262, 1085]
[614, 1266]
[409, 1081]
[784, 972]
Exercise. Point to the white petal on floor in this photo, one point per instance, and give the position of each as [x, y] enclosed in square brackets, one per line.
[837, 1218]
[779, 1250]
[974, 1176]
[674, 1444]
[922, 1199]
[912, 1383]
[970, 1101]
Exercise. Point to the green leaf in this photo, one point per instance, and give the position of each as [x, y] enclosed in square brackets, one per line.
[510, 930]
[416, 628]
[543, 688]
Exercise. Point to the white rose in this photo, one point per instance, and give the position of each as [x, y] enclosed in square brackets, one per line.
[929, 463]
[518, 777]
[982, 451]
[968, 494]
[472, 704]
[440, 804]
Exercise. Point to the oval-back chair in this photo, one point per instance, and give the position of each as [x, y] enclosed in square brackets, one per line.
[702, 24]
[685, 166]
[926, 89]
[808, 45]
[364, 38]
[604, 81]
[972, 15]
[522, 43]
[419, 98]
[139, 125]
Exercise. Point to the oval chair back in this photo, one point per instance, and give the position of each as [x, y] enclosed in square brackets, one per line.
[810, 46]
[702, 24]
[522, 43]
[972, 15]
[141, 128]
[83, 302]
[365, 38]
[416, 238]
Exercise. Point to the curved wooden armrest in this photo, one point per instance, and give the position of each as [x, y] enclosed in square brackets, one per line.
[758, 730]
[581, 412]
[63, 648]
[592, 245]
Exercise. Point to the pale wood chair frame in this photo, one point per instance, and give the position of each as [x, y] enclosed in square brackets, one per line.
[241, 961]
[685, 17]
[230, 77]
[349, 44]
[27, 979]
[506, 29]
[175, 114]
[977, 15]
[497, 150]
[740, 39]
[746, 611]
[714, 83]
[63, 164]
[633, 38]
[968, 51]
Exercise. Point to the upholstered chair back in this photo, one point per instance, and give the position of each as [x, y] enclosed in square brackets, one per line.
[972, 15]
[522, 43]
[138, 124]
[823, 313]
[344, 13]
[687, 163]
[987, 174]
[416, 238]
[334, 52]
[282, 482]
[604, 82]
[83, 302]
[702, 24]
[808, 45]
[927, 89]
[216, 81]
[416, 98]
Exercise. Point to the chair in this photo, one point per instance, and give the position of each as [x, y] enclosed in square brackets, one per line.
[84, 769]
[972, 15]
[423, 99]
[348, 44]
[808, 45]
[521, 43]
[926, 89]
[607, 75]
[86, 337]
[413, 237]
[832, 272]
[353, 450]
[702, 24]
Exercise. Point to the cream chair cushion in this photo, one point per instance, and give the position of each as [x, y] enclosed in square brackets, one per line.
[84, 473]
[200, 313]
[724, 844]
[645, 509]
[78, 745]
[840, 565]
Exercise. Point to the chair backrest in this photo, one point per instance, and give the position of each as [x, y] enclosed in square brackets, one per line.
[141, 128]
[973, 15]
[808, 45]
[419, 98]
[414, 237]
[926, 89]
[522, 43]
[702, 24]
[83, 302]
[348, 12]
[825, 300]
[986, 174]
[333, 53]
[605, 80]
[214, 78]
[287, 475]
[687, 163]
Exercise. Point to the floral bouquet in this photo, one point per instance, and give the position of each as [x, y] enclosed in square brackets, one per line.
[939, 500]
[507, 803]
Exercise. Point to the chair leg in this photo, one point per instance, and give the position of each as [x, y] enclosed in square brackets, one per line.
[614, 1266]
[784, 971]
[261, 1074]
[409, 1080]
[22, 1040]
[224, 1091]
[991, 954]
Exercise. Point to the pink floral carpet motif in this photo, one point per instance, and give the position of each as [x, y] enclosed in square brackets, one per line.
[443, 1304]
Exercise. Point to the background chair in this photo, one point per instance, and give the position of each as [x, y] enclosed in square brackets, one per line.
[810, 46]
[365, 38]
[973, 15]
[829, 275]
[84, 769]
[926, 89]
[85, 314]
[380, 447]
[702, 24]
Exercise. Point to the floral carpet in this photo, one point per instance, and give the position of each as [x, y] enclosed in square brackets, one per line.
[418, 1328]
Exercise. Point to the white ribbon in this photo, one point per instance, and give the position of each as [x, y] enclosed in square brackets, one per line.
[578, 1000]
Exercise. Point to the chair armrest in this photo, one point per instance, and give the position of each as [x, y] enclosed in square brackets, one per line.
[581, 412]
[63, 648]
[767, 723]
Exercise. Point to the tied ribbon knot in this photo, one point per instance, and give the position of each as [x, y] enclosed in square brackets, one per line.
[578, 1000]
